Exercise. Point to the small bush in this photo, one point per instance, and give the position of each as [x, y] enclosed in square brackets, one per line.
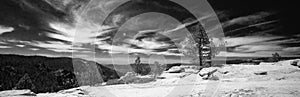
[139, 68]
[275, 58]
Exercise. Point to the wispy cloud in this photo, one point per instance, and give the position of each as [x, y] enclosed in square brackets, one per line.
[236, 41]
[239, 54]
[80, 30]
[248, 20]
[252, 25]
[257, 48]
[261, 46]
[5, 47]
[292, 49]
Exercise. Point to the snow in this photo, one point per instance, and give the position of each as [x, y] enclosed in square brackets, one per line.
[281, 80]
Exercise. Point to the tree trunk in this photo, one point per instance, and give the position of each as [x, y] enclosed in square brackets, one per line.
[200, 53]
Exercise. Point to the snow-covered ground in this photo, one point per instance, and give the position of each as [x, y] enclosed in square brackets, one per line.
[265, 80]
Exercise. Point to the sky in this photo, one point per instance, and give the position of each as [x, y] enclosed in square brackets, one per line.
[74, 28]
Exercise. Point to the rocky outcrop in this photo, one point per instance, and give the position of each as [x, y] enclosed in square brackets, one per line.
[208, 74]
[129, 77]
[19, 93]
[241, 93]
[176, 69]
[43, 74]
[296, 63]
[261, 73]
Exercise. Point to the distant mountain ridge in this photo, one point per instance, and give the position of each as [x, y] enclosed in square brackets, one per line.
[49, 74]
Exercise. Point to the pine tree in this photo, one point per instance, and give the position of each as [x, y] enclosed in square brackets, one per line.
[138, 66]
[200, 54]
[197, 45]
[25, 83]
[275, 57]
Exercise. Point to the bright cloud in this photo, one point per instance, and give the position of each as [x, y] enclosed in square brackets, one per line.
[81, 33]
[5, 47]
[147, 44]
[122, 49]
[125, 49]
[20, 45]
[56, 46]
[4, 29]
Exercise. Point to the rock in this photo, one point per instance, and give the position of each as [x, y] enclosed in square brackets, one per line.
[213, 77]
[144, 80]
[114, 82]
[206, 71]
[8, 93]
[231, 95]
[261, 73]
[161, 77]
[241, 93]
[74, 92]
[234, 95]
[129, 77]
[296, 63]
[205, 77]
[223, 72]
[280, 78]
[208, 74]
[158, 69]
[176, 69]
[210, 77]
[227, 95]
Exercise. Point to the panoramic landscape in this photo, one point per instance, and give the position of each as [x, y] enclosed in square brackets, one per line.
[149, 48]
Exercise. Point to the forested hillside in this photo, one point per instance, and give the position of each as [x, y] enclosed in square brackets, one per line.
[44, 74]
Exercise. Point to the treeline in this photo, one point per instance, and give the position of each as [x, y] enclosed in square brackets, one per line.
[274, 58]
